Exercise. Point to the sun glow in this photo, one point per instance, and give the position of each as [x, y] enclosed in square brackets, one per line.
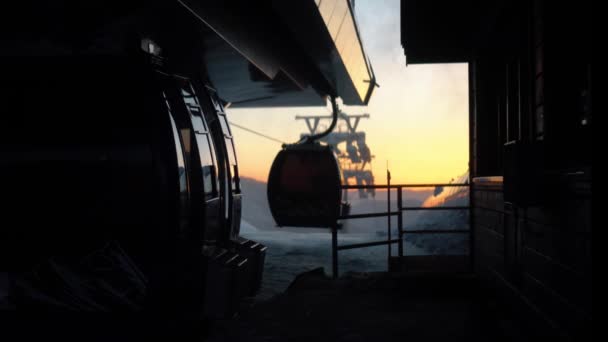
[418, 121]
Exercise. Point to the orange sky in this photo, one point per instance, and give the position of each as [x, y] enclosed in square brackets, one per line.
[419, 115]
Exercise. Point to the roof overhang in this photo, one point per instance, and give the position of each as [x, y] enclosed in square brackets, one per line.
[284, 53]
[436, 31]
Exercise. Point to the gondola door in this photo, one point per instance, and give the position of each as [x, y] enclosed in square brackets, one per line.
[211, 227]
[227, 162]
[200, 226]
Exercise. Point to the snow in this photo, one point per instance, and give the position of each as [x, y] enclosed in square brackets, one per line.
[292, 251]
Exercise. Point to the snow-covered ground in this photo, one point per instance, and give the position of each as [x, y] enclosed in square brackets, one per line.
[292, 251]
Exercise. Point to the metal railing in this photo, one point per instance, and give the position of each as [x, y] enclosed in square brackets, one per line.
[399, 213]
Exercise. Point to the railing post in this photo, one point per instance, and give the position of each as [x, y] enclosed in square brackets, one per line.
[334, 250]
[401, 229]
[471, 226]
[400, 222]
[388, 195]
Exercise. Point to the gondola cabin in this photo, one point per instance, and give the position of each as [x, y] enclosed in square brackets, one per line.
[304, 186]
[114, 152]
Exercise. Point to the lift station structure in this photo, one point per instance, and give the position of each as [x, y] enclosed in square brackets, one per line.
[355, 157]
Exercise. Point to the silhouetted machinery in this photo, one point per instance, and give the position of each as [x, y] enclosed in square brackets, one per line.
[355, 158]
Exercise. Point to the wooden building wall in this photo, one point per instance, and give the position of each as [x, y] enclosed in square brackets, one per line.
[530, 81]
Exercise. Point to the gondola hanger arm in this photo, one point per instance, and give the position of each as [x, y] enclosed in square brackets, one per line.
[334, 120]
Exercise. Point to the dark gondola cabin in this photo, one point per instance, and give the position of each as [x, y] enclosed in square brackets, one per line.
[304, 186]
[142, 176]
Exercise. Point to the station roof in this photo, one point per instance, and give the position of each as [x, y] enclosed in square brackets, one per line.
[285, 53]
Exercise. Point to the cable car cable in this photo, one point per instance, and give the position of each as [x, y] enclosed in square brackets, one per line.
[256, 133]
[310, 138]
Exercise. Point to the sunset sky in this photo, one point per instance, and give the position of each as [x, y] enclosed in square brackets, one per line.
[419, 115]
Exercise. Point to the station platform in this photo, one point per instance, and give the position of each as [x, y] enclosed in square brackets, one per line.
[379, 307]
